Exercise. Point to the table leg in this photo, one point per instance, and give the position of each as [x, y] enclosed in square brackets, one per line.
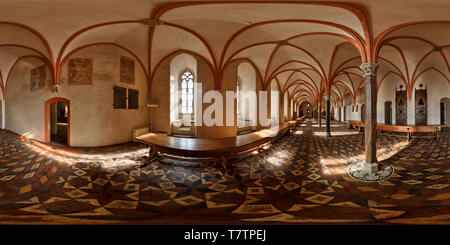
[224, 162]
[152, 155]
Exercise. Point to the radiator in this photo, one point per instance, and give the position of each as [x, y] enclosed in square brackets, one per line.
[138, 132]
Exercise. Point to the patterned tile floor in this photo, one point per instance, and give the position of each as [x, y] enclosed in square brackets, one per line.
[301, 179]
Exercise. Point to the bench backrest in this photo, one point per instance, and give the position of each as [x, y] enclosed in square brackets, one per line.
[402, 128]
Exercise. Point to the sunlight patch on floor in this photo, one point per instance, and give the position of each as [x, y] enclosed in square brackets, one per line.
[335, 133]
[279, 157]
[338, 166]
[107, 159]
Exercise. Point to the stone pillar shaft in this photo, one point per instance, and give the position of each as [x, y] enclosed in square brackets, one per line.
[328, 115]
[370, 77]
[319, 114]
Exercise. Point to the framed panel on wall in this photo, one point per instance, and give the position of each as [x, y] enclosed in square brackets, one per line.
[37, 78]
[133, 99]
[126, 70]
[80, 71]
[120, 98]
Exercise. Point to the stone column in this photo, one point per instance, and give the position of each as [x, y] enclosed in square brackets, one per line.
[328, 115]
[319, 113]
[370, 77]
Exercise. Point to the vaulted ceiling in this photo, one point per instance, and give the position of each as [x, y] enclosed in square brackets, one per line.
[308, 48]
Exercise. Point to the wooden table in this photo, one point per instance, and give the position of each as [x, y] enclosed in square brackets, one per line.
[207, 149]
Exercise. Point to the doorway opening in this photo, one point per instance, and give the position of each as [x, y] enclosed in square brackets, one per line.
[445, 111]
[421, 106]
[400, 107]
[388, 112]
[57, 121]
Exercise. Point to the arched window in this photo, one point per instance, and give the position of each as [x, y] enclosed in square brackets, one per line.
[187, 92]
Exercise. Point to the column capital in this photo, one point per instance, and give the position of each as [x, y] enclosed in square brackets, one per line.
[55, 88]
[327, 97]
[369, 69]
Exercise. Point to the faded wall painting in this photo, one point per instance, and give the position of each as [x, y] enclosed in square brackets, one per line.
[126, 70]
[37, 78]
[80, 71]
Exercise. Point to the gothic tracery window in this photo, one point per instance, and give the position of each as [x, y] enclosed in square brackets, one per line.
[187, 92]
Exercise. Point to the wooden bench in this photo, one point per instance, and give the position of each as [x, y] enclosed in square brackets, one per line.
[357, 124]
[293, 124]
[209, 149]
[408, 129]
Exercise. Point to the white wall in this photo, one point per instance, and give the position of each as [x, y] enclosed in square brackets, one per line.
[291, 111]
[93, 121]
[286, 106]
[387, 93]
[437, 88]
[248, 107]
[336, 114]
[353, 115]
[274, 101]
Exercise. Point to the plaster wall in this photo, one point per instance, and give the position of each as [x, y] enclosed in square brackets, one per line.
[336, 114]
[204, 75]
[285, 106]
[437, 88]
[274, 102]
[248, 109]
[93, 121]
[229, 78]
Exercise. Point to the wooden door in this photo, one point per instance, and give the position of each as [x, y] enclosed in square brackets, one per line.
[421, 106]
[400, 108]
[388, 112]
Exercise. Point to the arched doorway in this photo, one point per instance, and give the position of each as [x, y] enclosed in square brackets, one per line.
[388, 112]
[400, 107]
[421, 106]
[57, 121]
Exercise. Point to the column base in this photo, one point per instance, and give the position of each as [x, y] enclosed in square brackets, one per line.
[370, 172]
